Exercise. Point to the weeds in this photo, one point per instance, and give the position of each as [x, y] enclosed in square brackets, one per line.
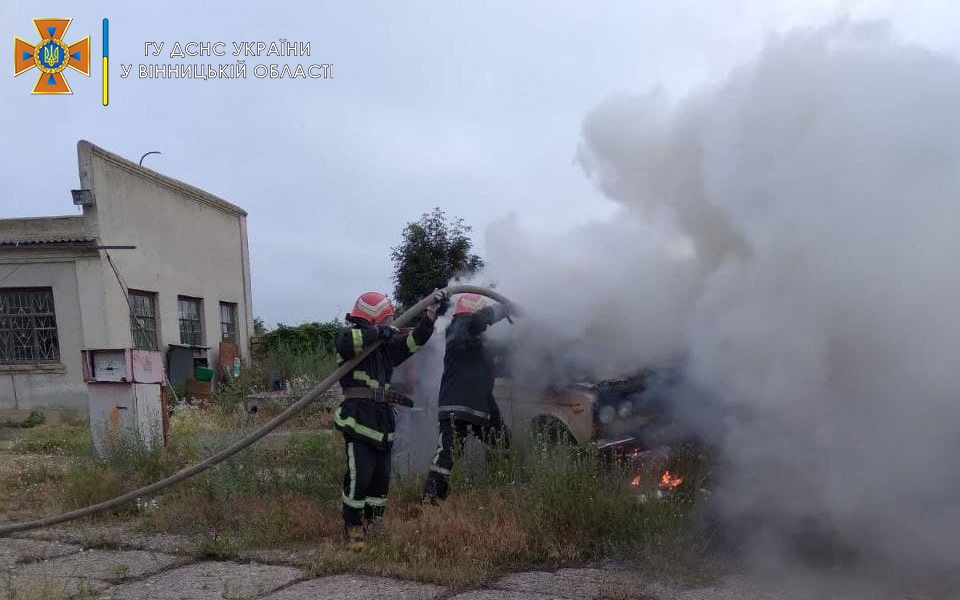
[536, 503]
[64, 439]
[34, 419]
[308, 365]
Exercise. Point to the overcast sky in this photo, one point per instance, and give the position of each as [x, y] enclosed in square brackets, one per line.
[474, 107]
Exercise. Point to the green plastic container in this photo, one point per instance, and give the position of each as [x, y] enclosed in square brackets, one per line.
[204, 374]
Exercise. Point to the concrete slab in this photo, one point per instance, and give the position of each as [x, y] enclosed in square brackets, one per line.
[103, 565]
[117, 535]
[13, 551]
[17, 588]
[163, 542]
[357, 587]
[295, 557]
[68, 535]
[208, 581]
[506, 595]
[580, 583]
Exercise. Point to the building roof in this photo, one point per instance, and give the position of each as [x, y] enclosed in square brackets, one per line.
[32, 241]
[43, 230]
[89, 149]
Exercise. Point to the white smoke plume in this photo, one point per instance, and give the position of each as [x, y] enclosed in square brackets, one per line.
[794, 231]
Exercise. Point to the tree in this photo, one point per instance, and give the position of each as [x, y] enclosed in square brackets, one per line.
[433, 252]
[258, 327]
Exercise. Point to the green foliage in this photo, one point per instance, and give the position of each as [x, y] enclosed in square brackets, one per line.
[33, 419]
[434, 250]
[60, 439]
[305, 337]
[303, 367]
[305, 352]
[258, 327]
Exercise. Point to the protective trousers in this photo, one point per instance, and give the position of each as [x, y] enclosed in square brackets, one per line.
[366, 483]
[454, 431]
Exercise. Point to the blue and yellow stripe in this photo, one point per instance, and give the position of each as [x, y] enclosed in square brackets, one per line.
[106, 53]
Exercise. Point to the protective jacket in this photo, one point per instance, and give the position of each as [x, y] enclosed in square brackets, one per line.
[371, 420]
[466, 388]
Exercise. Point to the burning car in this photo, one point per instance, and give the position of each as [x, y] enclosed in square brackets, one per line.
[629, 419]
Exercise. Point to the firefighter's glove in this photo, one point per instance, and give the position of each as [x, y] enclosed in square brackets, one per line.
[439, 306]
[443, 304]
[386, 332]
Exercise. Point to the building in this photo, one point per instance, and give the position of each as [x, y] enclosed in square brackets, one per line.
[150, 263]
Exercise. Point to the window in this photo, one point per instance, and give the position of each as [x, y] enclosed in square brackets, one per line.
[28, 327]
[228, 322]
[143, 320]
[191, 327]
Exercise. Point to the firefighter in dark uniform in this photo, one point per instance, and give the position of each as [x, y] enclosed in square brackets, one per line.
[365, 417]
[466, 403]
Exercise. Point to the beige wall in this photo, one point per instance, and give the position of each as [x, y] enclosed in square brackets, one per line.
[188, 243]
[34, 386]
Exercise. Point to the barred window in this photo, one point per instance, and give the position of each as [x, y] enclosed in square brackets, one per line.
[228, 322]
[28, 327]
[191, 327]
[143, 320]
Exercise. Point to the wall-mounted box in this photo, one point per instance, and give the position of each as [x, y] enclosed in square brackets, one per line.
[123, 366]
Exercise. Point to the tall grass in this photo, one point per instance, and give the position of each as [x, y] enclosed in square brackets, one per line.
[303, 367]
[535, 503]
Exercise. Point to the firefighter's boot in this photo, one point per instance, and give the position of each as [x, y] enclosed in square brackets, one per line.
[356, 538]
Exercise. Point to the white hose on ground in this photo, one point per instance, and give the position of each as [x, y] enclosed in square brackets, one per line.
[277, 421]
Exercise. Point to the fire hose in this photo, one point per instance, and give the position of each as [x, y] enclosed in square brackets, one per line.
[280, 419]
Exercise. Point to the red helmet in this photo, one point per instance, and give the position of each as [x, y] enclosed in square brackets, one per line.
[468, 303]
[373, 307]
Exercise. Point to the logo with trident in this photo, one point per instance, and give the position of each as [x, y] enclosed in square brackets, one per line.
[51, 56]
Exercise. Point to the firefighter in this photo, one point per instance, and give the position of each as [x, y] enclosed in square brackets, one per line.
[466, 403]
[365, 417]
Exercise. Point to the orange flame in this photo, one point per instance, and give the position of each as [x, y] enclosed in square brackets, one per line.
[669, 481]
[635, 481]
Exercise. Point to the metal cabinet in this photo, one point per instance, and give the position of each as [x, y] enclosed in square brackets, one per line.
[125, 399]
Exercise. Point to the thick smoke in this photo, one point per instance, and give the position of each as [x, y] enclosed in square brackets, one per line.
[794, 233]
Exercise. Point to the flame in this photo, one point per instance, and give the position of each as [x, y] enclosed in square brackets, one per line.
[669, 481]
[635, 481]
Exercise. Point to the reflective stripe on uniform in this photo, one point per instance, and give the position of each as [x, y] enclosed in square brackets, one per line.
[464, 409]
[352, 466]
[357, 341]
[436, 457]
[364, 377]
[371, 501]
[412, 344]
[352, 503]
[351, 423]
[440, 470]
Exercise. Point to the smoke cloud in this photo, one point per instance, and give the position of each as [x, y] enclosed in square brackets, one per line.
[792, 232]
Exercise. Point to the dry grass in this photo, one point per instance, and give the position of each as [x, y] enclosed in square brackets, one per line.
[65, 439]
[47, 588]
[535, 506]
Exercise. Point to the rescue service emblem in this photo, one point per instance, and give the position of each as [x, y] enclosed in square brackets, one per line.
[51, 56]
